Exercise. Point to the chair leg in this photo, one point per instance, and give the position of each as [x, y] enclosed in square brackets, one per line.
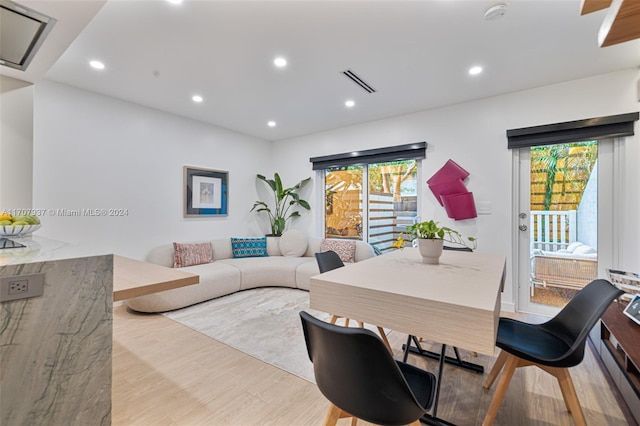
[333, 414]
[569, 394]
[497, 367]
[511, 364]
[334, 318]
[354, 421]
[360, 324]
[383, 336]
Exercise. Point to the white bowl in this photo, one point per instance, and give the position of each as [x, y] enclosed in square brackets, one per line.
[15, 230]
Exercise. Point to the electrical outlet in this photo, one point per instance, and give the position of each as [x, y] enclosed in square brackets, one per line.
[21, 287]
[18, 287]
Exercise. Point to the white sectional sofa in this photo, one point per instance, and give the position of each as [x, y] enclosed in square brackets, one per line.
[290, 263]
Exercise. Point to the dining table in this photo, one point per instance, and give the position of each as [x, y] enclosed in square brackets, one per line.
[455, 302]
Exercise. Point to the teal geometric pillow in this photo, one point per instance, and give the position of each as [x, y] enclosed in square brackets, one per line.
[249, 247]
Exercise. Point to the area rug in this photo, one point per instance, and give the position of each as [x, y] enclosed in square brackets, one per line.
[263, 323]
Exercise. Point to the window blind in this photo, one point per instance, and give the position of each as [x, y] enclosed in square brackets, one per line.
[612, 126]
[412, 151]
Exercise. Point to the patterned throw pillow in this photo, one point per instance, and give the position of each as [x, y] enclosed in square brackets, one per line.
[346, 249]
[249, 247]
[191, 254]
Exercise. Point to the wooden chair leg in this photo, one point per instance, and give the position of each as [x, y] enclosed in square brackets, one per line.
[334, 318]
[497, 367]
[360, 324]
[570, 396]
[333, 414]
[511, 364]
[383, 336]
[354, 421]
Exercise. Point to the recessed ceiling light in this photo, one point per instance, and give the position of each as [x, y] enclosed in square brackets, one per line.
[271, 124]
[197, 98]
[475, 70]
[349, 103]
[175, 1]
[280, 62]
[96, 64]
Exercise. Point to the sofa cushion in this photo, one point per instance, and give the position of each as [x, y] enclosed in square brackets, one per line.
[346, 249]
[189, 254]
[574, 245]
[249, 247]
[293, 243]
[304, 272]
[584, 249]
[216, 279]
[277, 271]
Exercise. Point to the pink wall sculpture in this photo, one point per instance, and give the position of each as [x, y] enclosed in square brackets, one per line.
[447, 185]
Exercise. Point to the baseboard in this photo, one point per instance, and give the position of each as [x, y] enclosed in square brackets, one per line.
[507, 306]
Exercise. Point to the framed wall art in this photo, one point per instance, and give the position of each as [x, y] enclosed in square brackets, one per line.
[206, 192]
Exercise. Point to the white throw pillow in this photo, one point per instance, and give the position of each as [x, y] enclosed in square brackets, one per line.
[574, 245]
[293, 243]
[584, 249]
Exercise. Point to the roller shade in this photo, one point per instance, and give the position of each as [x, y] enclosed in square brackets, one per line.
[612, 126]
[412, 151]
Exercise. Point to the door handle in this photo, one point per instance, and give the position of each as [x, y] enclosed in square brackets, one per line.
[522, 227]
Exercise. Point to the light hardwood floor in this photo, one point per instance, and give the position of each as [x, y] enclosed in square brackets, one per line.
[167, 374]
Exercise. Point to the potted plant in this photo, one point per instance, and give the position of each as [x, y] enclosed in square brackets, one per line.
[284, 200]
[431, 238]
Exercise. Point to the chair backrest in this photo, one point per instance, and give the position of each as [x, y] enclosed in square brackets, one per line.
[573, 323]
[328, 260]
[355, 371]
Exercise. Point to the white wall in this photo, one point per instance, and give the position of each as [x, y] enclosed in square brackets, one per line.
[92, 151]
[16, 147]
[474, 135]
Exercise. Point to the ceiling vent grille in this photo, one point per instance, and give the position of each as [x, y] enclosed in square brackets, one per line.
[359, 81]
[22, 32]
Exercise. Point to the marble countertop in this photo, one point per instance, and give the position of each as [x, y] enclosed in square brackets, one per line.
[41, 249]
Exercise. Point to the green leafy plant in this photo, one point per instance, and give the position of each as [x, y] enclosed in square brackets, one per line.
[285, 199]
[431, 230]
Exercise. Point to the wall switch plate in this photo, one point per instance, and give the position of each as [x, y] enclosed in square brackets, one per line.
[483, 207]
[21, 287]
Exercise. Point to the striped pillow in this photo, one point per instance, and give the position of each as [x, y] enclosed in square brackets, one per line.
[346, 249]
[249, 247]
[189, 254]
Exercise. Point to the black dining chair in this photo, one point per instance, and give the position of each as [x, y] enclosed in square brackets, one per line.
[329, 260]
[357, 374]
[553, 346]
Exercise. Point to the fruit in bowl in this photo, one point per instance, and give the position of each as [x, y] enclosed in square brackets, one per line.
[18, 225]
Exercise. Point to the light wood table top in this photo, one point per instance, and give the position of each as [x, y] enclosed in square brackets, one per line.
[456, 302]
[133, 278]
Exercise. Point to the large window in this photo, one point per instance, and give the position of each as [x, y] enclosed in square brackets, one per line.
[371, 195]
[377, 214]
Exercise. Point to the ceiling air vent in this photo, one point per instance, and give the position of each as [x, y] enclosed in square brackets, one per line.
[22, 32]
[359, 81]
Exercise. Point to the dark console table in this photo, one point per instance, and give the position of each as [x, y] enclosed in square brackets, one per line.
[617, 340]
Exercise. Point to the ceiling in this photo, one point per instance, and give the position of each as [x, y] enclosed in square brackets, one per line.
[416, 55]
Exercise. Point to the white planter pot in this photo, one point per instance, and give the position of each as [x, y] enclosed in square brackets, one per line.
[430, 250]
